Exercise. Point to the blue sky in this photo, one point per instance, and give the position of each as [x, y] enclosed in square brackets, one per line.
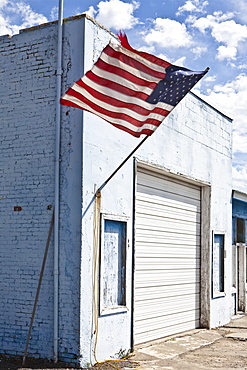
[192, 33]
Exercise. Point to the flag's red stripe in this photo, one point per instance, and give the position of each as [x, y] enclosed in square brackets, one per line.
[133, 62]
[134, 133]
[116, 115]
[115, 102]
[124, 74]
[70, 104]
[145, 131]
[115, 86]
[149, 57]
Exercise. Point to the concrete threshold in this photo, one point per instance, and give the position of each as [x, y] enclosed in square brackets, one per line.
[175, 345]
[198, 349]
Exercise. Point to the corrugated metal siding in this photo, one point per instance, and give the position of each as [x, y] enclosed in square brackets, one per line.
[167, 257]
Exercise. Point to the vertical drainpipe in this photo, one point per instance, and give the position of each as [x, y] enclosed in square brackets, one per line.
[57, 182]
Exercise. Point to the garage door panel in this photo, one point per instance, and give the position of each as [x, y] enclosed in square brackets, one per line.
[156, 328]
[164, 307]
[165, 291]
[166, 321]
[173, 200]
[165, 185]
[152, 277]
[169, 264]
[159, 209]
[168, 201]
[167, 225]
[167, 257]
[143, 236]
[167, 250]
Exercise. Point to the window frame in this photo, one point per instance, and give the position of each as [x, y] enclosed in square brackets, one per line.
[118, 308]
[218, 271]
[240, 231]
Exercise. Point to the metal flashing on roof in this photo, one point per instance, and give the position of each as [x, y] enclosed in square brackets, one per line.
[239, 195]
[68, 19]
[211, 106]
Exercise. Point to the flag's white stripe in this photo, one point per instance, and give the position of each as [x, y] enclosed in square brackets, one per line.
[134, 71]
[139, 58]
[116, 121]
[120, 80]
[119, 96]
[113, 108]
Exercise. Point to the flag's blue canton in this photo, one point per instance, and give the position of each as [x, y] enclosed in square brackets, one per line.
[177, 82]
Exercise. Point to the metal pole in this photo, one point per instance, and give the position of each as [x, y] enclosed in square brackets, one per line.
[96, 271]
[120, 166]
[39, 286]
[57, 183]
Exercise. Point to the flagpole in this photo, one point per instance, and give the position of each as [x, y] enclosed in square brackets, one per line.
[120, 166]
[57, 181]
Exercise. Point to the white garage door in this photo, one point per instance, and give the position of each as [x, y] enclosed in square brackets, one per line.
[167, 257]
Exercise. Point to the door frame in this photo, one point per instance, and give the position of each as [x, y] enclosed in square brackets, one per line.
[241, 277]
[206, 239]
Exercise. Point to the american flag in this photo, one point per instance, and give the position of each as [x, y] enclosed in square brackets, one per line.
[132, 90]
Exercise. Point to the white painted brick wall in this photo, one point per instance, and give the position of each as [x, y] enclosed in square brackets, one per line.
[27, 166]
[27, 115]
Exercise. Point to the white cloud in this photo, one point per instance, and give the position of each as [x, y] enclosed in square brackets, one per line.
[91, 12]
[239, 174]
[54, 13]
[230, 99]
[3, 3]
[210, 21]
[240, 9]
[240, 66]
[229, 32]
[224, 31]
[168, 33]
[115, 14]
[239, 141]
[199, 50]
[226, 52]
[209, 79]
[16, 15]
[6, 28]
[221, 17]
[180, 62]
[28, 16]
[193, 6]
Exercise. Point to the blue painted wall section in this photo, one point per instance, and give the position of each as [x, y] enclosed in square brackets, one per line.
[239, 210]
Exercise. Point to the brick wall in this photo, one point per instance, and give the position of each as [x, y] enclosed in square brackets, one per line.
[27, 165]
[27, 115]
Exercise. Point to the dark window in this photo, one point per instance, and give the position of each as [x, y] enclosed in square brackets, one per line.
[240, 230]
[218, 264]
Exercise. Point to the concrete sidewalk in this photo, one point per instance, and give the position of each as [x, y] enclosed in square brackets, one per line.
[222, 348]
